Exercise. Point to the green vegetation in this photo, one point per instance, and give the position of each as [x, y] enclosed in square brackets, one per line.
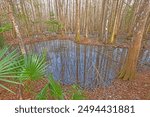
[77, 93]
[54, 90]
[43, 94]
[14, 65]
[2, 41]
[32, 67]
[54, 25]
[3, 28]
[8, 61]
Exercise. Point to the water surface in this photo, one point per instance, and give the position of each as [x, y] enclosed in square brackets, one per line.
[89, 66]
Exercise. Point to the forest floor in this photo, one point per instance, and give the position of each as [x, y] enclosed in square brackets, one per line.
[84, 41]
[137, 89]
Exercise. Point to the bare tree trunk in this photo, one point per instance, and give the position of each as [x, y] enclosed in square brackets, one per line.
[77, 38]
[132, 23]
[87, 19]
[129, 69]
[21, 44]
[114, 31]
[101, 31]
[12, 18]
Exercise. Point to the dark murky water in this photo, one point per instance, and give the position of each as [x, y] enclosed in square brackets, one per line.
[89, 66]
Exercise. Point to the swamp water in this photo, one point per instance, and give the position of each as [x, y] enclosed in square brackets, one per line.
[88, 66]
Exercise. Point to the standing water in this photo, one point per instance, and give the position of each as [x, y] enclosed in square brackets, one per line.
[88, 66]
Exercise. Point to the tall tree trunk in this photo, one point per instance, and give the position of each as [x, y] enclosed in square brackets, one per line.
[129, 69]
[133, 18]
[77, 38]
[21, 44]
[87, 19]
[101, 30]
[12, 18]
[114, 31]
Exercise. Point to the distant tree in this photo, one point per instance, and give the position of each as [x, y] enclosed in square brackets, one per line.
[77, 38]
[87, 19]
[103, 19]
[116, 22]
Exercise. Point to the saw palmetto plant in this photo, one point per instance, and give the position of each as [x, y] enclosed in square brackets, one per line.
[8, 61]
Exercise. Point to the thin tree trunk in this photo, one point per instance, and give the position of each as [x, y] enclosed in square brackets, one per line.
[21, 44]
[87, 19]
[12, 18]
[114, 31]
[77, 38]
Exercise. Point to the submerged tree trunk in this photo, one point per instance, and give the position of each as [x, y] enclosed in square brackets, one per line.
[129, 69]
[12, 18]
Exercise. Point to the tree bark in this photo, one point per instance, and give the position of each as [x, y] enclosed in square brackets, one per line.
[114, 31]
[12, 18]
[129, 69]
[77, 38]
[20, 40]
